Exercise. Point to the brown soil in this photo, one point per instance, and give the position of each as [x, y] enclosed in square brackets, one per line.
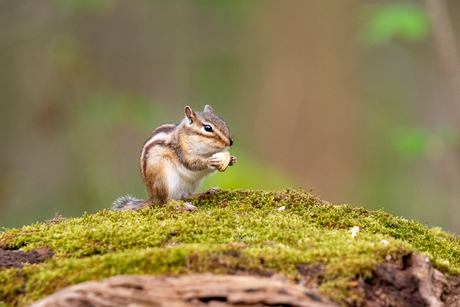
[16, 259]
[311, 272]
[410, 281]
[395, 284]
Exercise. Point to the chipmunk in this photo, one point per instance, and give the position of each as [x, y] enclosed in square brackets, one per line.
[176, 158]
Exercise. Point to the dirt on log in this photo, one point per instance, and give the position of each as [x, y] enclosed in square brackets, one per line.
[16, 259]
[411, 281]
[185, 291]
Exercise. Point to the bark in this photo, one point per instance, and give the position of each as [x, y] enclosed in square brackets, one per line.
[184, 291]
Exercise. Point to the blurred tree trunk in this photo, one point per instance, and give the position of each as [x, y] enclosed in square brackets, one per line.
[449, 66]
[306, 54]
[11, 106]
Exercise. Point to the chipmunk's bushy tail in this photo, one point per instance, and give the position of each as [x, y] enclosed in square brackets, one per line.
[128, 202]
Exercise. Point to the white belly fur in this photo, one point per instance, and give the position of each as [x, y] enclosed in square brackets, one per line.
[183, 182]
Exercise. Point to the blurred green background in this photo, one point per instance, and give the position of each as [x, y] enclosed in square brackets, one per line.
[359, 100]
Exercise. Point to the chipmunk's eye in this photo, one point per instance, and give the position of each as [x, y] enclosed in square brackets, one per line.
[208, 128]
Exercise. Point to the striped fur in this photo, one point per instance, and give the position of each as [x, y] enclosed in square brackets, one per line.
[174, 158]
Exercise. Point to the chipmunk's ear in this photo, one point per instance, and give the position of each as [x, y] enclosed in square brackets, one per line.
[208, 109]
[190, 114]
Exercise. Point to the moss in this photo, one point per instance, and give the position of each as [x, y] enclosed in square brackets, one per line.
[235, 230]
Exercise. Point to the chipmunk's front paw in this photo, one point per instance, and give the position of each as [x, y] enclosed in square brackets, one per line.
[213, 162]
[232, 160]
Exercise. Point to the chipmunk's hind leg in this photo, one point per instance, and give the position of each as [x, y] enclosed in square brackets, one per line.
[157, 185]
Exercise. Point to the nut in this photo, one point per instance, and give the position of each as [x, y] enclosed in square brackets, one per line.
[224, 158]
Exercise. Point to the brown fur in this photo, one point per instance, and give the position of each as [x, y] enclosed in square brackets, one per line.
[157, 186]
[145, 157]
[178, 150]
[166, 128]
[188, 160]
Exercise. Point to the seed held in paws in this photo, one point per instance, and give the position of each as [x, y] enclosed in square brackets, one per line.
[224, 157]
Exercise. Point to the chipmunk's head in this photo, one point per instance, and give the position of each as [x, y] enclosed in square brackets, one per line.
[207, 133]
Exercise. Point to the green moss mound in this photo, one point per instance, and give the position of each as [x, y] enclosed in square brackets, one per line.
[232, 231]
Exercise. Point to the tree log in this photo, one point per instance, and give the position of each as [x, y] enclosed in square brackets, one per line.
[185, 291]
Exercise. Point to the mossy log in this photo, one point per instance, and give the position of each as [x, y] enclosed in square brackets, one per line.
[353, 256]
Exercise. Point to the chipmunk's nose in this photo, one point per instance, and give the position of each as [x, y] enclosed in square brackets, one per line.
[231, 141]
